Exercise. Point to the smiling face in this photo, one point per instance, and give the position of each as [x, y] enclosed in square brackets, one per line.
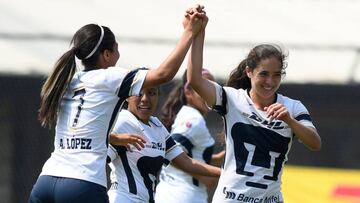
[144, 105]
[265, 79]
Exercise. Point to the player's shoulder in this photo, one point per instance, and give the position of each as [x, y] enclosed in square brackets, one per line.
[234, 93]
[188, 112]
[156, 123]
[154, 120]
[190, 117]
[294, 106]
[102, 76]
[126, 118]
[287, 101]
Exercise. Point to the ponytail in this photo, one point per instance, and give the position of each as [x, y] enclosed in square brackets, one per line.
[238, 77]
[172, 106]
[54, 88]
[88, 42]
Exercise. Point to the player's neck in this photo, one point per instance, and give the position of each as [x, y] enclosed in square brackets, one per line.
[261, 102]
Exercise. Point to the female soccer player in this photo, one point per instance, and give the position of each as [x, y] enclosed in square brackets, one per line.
[133, 171]
[84, 105]
[189, 129]
[260, 123]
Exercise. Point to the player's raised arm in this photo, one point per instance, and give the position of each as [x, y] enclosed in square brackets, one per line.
[167, 70]
[203, 87]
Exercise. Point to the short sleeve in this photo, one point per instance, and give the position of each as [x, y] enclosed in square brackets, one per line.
[221, 100]
[302, 115]
[191, 132]
[138, 82]
[172, 149]
[125, 83]
[132, 83]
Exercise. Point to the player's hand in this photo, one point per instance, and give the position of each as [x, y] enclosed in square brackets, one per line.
[200, 9]
[193, 20]
[277, 111]
[127, 140]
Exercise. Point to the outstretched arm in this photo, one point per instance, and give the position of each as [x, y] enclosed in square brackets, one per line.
[167, 70]
[203, 87]
[192, 166]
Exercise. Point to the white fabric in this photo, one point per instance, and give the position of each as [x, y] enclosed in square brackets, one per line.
[146, 161]
[191, 124]
[256, 149]
[84, 121]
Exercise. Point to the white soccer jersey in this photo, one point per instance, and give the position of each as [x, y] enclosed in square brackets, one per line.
[86, 115]
[256, 148]
[190, 130]
[133, 174]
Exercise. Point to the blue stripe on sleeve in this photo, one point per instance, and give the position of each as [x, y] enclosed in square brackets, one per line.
[169, 143]
[303, 117]
[184, 141]
[126, 84]
[221, 109]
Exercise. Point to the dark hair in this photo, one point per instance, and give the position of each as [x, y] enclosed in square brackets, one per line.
[175, 100]
[238, 77]
[84, 42]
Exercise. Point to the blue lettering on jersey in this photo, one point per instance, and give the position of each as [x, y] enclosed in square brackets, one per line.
[156, 145]
[76, 143]
[273, 124]
[243, 198]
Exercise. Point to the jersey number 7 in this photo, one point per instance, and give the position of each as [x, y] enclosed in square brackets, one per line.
[78, 92]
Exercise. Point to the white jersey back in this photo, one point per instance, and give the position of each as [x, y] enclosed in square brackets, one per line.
[256, 148]
[133, 174]
[87, 112]
[190, 130]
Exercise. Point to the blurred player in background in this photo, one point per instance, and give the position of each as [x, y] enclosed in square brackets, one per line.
[260, 123]
[84, 105]
[189, 129]
[133, 171]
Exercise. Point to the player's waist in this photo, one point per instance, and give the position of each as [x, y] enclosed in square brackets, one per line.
[245, 194]
[139, 193]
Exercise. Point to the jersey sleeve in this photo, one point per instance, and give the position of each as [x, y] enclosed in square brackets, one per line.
[192, 132]
[302, 115]
[125, 83]
[172, 149]
[221, 100]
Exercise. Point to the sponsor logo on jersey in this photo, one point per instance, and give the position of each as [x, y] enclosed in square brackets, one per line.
[244, 198]
[276, 125]
[155, 145]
